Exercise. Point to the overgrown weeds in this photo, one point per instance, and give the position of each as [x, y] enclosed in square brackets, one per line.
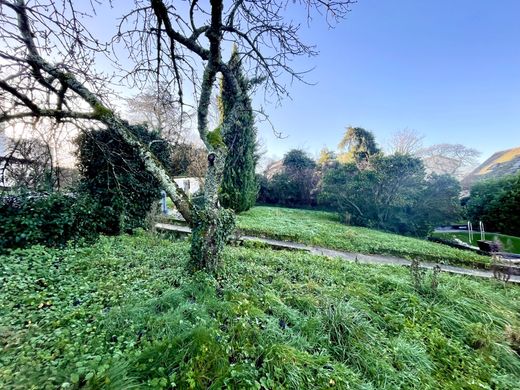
[125, 313]
[324, 229]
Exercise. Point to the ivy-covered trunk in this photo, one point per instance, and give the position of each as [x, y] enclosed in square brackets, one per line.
[211, 224]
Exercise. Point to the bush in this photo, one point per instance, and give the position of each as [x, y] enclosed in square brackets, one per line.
[115, 176]
[497, 204]
[294, 185]
[47, 219]
[393, 194]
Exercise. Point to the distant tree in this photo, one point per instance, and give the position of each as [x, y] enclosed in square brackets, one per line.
[392, 194]
[350, 191]
[295, 184]
[406, 141]
[437, 204]
[29, 165]
[357, 145]
[239, 185]
[38, 162]
[297, 161]
[326, 157]
[497, 204]
[159, 110]
[451, 159]
[398, 181]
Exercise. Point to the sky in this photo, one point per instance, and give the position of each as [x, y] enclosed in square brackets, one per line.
[449, 69]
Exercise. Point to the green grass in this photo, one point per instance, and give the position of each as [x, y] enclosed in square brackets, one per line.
[324, 229]
[124, 314]
[509, 243]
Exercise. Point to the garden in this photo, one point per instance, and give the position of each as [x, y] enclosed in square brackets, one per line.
[125, 313]
[97, 124]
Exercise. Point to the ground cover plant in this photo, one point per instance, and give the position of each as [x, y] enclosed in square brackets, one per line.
[124, 313]
[324, 229]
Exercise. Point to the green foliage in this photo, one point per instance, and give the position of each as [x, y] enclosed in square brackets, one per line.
[392, 194]
[360, 144]
[215, 138]
[115, 176]
[239, 188]
[497, 204]
[324, 229]
[47, 219]
[295, 185]
[210, 232]
[297, 161]
[125, 313]
[438, 203]
[326, 157]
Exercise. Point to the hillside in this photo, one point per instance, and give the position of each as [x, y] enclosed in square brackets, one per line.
[505, 162]
[124, 313]
[323, 229]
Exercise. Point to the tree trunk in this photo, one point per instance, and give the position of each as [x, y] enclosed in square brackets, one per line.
[212, 224]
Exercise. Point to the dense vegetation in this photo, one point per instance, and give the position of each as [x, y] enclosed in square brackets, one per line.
[294, 184]
[497, 204]
[393, 194]
[324, 229]
[239, 188]
[366, 187]
[114, 175]
[48, 219]
[125, 313]
[115, 194]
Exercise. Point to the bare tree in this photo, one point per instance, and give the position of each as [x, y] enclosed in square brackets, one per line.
[451, 159]
[45, 49]
[160, 111]
[40, 159]
[406, 141]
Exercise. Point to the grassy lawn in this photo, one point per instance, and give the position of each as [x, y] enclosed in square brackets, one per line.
[509, 243]
[324, 229]
[125, 314]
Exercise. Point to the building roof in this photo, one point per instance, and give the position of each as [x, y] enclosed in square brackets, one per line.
[505, 162]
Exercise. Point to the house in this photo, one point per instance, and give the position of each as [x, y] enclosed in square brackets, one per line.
[505, 162]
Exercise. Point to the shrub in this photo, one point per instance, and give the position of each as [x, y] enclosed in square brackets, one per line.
[392, 194]
[295, 184]
[497, 204]
[114, 175]
[48, 219]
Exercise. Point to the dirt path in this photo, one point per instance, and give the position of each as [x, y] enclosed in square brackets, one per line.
[350, 256]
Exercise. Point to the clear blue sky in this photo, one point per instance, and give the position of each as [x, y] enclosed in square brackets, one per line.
[449, 69]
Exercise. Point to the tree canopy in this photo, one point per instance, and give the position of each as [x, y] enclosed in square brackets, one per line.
[393, 194]
[358, 145]
[47, 71]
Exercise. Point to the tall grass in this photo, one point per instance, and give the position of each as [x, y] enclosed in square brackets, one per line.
[324, 229]
[125, 313]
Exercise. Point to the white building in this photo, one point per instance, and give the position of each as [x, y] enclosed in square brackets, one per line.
[190, 185]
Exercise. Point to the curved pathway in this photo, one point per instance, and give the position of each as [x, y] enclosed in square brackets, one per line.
[350, 256]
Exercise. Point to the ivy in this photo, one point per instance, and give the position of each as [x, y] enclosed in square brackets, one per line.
[115, 175]
[211, 230]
